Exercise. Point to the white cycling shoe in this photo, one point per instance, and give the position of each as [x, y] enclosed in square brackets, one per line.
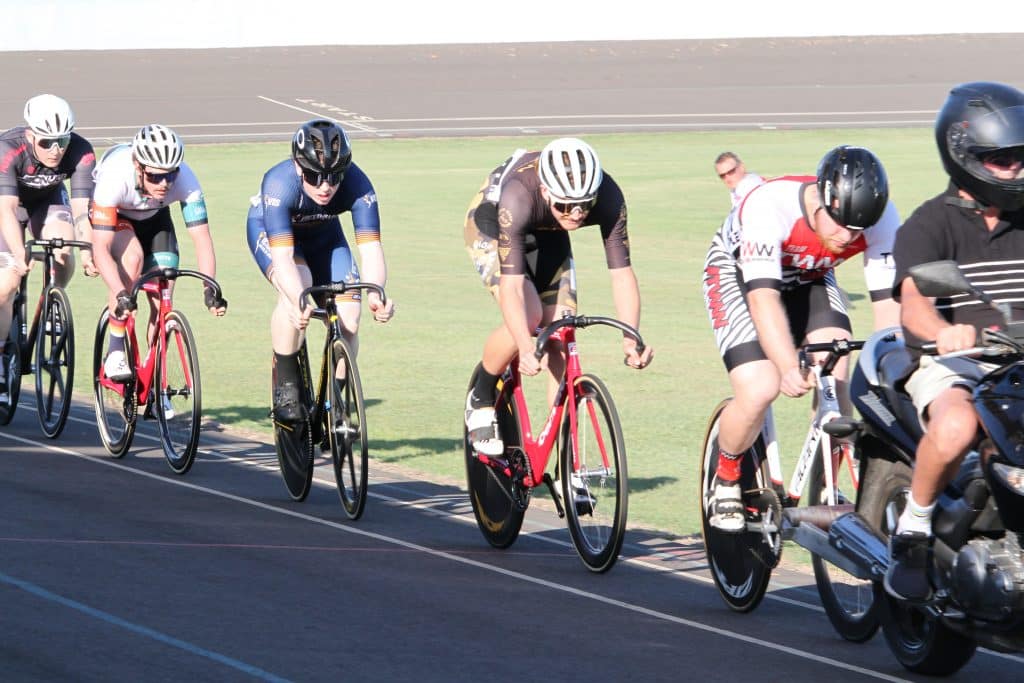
[482, 425]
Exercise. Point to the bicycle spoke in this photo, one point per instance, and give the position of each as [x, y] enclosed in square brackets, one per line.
[177, 399]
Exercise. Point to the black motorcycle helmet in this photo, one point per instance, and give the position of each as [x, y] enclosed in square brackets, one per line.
[852, 186]
[321, 146]
[979, 120]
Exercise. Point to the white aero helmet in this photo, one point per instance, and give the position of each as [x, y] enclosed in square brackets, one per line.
[570, 169]
[49, 116]
[158, 146]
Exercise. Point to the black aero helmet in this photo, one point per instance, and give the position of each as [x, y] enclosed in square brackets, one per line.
[322, 146]
[852, 186]
[981, 119]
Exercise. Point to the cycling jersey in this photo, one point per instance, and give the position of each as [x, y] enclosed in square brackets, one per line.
[774, 246]
[23, 176]
[118, 192]
[286, 213]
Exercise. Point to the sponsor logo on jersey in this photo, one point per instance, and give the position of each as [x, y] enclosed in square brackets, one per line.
[271, 201]
[757, 251]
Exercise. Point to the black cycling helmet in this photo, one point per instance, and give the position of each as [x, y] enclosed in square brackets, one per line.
[321, 146]
[977, 120]
[852, 186]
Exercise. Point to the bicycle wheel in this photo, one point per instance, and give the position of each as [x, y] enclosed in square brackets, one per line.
[498, 499]
[294, 442]
[178, 393]
[116, 402]
[848, 601]
[12, 361]
[592, 467]
[741, 564]
[55, 363]
[346, 425]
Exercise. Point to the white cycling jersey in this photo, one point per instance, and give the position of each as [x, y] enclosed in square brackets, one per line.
[117, 187]
[774, 246]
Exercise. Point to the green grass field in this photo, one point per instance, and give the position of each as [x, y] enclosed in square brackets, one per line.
[416, 367]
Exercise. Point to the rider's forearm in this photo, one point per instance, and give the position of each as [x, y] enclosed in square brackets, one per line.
[106, 265]
[886, 313]
[626, 295]
[918, 314]
[80, 211]
[372, 264]
[206, 259]
[10, 228]
[286, 273]
[512, 300]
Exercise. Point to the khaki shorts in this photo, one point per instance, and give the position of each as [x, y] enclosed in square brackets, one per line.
[932, 377]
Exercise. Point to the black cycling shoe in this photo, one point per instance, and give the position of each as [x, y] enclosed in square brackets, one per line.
[288, 405]
[907, 575]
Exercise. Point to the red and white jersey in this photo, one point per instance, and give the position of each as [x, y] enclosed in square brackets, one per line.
[770, 236]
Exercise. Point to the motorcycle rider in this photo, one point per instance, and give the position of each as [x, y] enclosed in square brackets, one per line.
[976, 222]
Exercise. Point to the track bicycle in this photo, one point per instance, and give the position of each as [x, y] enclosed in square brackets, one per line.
[591, 459]
[336, 417]
[741, 563]
[166, 382]
[50, 336]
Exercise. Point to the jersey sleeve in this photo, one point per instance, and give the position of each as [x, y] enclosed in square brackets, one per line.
[364, 208]
[189, 192]
[613, 219]
[82, 182]
[879, 264]
[763, 227]
[514, 215]
[278, 194]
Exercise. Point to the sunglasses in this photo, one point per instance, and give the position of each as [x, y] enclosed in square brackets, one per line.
[1005, 158]
[317, 179]
[46, 143]
[158, 178]
[728, 173]
[566, 208]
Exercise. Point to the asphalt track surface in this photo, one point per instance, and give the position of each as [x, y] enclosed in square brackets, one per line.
[121, 570]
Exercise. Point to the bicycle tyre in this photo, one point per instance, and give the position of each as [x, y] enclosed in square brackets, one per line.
[55, 363]
[848, 601]
[116, 403]
[12, 358]
[740, 563]
[498, 499]
[294, 442]
[346, 427]
[178, 395]
[597, 520]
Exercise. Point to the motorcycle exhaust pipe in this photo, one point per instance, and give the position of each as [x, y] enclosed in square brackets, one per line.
[849, 542]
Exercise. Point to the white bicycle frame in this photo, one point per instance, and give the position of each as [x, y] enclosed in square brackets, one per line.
[828, 410]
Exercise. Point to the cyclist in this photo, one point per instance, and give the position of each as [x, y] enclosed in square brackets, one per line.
[734, 174]
[517, 235]
[977, 222]
[295, 235]
[133, 231]
[35, 160]
[769, 285]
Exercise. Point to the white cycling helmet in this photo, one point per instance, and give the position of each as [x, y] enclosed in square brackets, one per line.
[570, 169]
[158, 146]
[49, 116]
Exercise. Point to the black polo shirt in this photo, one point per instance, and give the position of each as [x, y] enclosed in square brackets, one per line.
[942, 229]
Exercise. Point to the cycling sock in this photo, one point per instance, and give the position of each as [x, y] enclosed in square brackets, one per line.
[916, 517]
[485, 390]
[286, 368]
[116, 328]
[728, 466]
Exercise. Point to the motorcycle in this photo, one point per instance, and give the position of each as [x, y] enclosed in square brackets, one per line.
[976, 562]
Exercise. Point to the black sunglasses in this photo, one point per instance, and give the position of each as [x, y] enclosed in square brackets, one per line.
[1004, 158]
[157, 178]
[46, 143]
[317, 179]
[728, 173]
[566, 208]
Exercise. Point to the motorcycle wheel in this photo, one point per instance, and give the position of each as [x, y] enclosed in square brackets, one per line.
[920, 643]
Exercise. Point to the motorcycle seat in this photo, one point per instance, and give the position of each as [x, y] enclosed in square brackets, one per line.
[894, 367]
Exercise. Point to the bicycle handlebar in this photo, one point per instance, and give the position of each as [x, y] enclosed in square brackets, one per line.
[164, 274]
[53, 244]
[581, 321]
[837, 348]
[336, 288]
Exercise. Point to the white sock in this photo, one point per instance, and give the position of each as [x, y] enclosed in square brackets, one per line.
[916, 517]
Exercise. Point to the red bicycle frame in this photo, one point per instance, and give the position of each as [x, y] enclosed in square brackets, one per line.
[538, 450]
